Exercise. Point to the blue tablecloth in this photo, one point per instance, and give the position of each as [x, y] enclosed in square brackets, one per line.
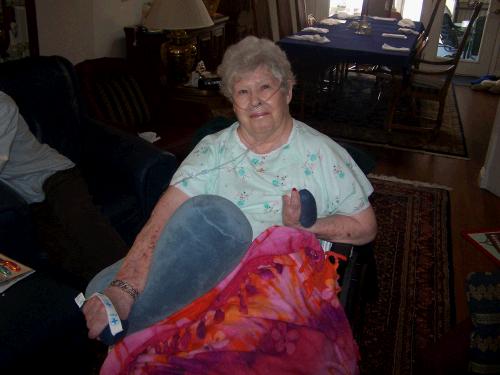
[347, 46]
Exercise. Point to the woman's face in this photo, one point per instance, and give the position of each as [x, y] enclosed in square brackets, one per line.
[261, 105]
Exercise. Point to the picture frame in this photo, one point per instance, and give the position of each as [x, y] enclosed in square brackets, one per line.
[18, 29]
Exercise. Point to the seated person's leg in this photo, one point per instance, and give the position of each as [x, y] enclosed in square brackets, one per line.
[75, 233]
[201, 244]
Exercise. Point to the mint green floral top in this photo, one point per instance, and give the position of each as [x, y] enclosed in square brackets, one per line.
[222, 165]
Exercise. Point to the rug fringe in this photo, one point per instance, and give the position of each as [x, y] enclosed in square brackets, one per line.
[409, 182]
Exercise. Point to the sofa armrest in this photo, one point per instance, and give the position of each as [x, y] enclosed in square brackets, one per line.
[139, 166]
[17, 235]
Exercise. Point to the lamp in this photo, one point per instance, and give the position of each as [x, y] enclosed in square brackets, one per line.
[176, 16]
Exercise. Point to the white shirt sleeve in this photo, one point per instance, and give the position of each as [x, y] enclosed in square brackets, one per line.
[9, 117]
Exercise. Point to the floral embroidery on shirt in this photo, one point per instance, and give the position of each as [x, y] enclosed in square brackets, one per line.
[312, 159]
[242, 198]
[255, 161]
[272, 207]
[258, 164]
[337, 169]
[242, 171]
[279, 180]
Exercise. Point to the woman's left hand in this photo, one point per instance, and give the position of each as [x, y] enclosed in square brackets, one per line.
[291, 209]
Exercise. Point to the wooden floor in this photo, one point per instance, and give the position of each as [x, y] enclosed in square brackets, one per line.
[471, 207]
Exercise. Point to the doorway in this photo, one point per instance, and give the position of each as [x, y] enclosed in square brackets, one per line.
[481, 53]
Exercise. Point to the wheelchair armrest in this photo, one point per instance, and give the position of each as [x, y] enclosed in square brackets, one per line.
[357, 276]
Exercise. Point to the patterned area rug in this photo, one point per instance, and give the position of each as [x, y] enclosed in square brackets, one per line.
[355, 113]
[414, 303]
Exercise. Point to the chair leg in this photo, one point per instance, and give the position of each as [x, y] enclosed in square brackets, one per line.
[439, 119]
[390, 112]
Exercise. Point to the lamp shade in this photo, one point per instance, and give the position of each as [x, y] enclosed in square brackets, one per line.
[178, 15]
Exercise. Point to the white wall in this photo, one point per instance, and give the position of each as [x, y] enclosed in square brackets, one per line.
[490, 173]
[85, 29]
[110, 16]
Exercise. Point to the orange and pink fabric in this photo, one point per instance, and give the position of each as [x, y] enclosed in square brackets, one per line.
[276, 313]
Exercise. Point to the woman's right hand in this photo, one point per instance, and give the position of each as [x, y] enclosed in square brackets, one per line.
[135, 267]
[95, 313]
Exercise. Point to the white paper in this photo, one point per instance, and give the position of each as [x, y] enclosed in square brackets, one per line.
[405, 30]
[331, 21]
[398, 36]
[151, 137]
[406, 22]
[388, 47]
[316, 30]
[383, 18]
[316, 38]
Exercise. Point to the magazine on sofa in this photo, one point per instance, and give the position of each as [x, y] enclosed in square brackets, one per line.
[11, 271]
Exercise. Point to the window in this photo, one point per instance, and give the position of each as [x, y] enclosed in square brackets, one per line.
[407, 8]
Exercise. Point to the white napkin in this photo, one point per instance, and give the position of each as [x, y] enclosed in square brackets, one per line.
[388, 47]
[151, 137]
[398, 36]
[331, 21]
[316, 38]
[383, 18]
[405, 30]
[406, 22]
[316, 30]
[342, 15]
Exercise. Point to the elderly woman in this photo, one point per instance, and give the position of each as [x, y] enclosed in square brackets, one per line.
[236, 186]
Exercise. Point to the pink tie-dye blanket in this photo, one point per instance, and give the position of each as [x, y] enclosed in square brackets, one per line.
[276, 313]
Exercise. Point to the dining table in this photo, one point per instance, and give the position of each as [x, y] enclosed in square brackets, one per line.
[345, 45]
[325, 61]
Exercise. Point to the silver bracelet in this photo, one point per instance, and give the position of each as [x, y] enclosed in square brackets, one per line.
[126, 287]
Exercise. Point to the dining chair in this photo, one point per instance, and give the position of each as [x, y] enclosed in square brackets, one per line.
[427, 80]
[420, 45]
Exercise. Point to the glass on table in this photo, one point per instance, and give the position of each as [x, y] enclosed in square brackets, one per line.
[364, 27]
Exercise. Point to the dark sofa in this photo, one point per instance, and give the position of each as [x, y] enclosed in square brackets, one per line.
[40, 324]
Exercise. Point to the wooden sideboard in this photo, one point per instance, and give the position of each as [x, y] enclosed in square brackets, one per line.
[143, 47]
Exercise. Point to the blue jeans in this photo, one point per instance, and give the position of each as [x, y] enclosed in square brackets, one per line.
[202, 243]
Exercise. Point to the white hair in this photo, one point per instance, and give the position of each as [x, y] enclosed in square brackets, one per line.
[249, 54]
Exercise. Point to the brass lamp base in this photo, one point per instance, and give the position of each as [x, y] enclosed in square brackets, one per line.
[179, 56]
